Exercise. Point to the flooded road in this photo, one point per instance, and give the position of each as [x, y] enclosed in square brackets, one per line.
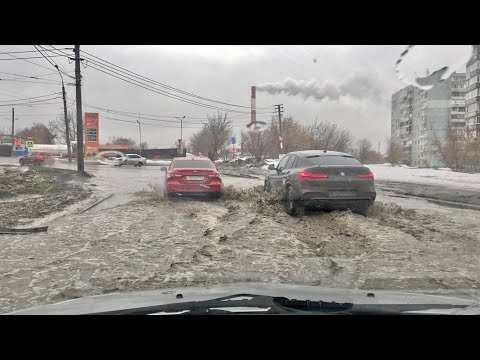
[136, 240]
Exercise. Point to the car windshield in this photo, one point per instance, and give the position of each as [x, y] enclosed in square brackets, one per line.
[193, 164]
[333, 167]
[332, 160]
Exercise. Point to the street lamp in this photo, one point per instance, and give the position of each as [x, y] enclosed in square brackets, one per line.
[181, 131]
[140, 130]
[67, 126]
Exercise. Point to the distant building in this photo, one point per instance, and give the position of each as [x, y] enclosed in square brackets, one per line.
[472, 100]
[421, 116]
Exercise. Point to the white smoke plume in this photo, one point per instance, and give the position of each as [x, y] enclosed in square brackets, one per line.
[359, 86]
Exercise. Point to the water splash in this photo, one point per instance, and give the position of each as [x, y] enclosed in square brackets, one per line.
[426, 65]
[107, 157]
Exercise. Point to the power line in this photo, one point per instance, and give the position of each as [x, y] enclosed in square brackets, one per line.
[53, 63]
[149, 124]
[26, 51]
[34, 97]
[32, 102]
[28, 58]
[31, 62]
[167, 86]
[149, 116]
[124, 72]
[155, 115]
[30, 76]
[162, 92]
[49, 82]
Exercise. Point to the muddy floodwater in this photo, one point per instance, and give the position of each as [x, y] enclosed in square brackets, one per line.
[136, 240]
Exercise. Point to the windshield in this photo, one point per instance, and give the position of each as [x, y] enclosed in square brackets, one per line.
[346, 167]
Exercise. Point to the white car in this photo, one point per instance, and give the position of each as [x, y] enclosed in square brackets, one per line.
[131, 159]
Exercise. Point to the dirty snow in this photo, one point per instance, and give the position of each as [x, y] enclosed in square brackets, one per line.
[426, 176]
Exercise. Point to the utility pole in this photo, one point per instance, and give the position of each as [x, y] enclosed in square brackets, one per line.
[140, 130]
[280, 110]
[13, 132]
[67, 125]
[78, 88]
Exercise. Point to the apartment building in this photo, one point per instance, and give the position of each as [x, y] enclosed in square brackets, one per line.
[420, 117]
[472, 98]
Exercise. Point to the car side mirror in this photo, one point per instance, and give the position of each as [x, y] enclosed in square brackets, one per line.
[271, 167]
[163, 168]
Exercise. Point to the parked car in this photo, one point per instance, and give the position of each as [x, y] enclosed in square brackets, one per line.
[321, 179]
[131, 159]
[37, 158]
[192, 176]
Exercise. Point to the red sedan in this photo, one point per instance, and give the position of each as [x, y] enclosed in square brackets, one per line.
[192, 176]
[37, 158]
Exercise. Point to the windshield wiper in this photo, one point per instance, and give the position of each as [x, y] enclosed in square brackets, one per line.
[259, 305]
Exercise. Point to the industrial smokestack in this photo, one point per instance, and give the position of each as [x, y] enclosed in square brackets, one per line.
[254, 106]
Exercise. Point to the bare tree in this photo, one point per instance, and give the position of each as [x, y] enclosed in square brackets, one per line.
[143, 145]
[254, 143]
[40, 133]
[457, 151]
[364, 150]
[219, 130]
[119, 140]
[58, 126]
[324, 135]
[199, 143]
[295, 136]
[394, 152]
[214, 137]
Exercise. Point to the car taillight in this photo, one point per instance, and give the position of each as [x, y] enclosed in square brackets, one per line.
[366, 176]
[171, 175]
[214, 176]
[304, 174]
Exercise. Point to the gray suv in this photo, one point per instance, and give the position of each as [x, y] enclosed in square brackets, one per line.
[321, 179]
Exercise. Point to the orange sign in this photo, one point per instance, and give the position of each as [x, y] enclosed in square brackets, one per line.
[92, 144]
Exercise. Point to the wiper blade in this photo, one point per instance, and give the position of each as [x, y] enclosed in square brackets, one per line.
[259, 305]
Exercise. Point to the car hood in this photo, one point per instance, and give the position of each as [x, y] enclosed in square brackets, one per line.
[120, 301]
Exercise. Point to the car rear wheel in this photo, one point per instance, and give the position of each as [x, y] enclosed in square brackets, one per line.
[37, 162]
[362, 208]
[216, 196]
[293, 207]
[22, 162]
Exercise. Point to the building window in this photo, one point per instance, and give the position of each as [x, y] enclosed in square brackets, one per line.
[478, 120]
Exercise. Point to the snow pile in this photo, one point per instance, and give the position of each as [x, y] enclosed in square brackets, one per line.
[158, 162]
[444, 177]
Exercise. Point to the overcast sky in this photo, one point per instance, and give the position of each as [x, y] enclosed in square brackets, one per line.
[223, 73]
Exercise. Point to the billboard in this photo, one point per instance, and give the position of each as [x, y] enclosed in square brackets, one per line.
[92, 144]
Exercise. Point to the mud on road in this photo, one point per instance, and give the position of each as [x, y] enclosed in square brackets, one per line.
[28, 193]
[152, 243]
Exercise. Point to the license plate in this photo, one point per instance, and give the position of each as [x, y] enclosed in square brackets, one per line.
[342, 194]
[195, 178]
